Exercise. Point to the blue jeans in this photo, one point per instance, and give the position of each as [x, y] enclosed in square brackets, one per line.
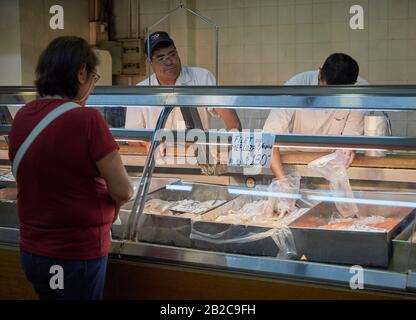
[57, 279]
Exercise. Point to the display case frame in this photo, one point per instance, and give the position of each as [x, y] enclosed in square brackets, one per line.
[380, 98]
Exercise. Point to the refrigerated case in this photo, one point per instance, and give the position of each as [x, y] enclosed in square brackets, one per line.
[235, 229]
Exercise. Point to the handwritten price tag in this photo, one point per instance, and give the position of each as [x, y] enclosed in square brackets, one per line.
[250, 149]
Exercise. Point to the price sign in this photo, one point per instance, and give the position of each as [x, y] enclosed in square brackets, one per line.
[250, 149]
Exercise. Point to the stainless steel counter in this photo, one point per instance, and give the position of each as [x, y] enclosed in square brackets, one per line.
[265, 267]
[372, 98]
[262, 266]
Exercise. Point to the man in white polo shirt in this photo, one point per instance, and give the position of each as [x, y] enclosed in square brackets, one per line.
[168, 71]
[338, 69]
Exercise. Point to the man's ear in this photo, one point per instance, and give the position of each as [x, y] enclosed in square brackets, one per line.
[82, 74]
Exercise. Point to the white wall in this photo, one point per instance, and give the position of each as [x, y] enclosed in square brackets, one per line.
[35, 33]
[10, 53]
[10, 59]
[25, 32]
[266, 42]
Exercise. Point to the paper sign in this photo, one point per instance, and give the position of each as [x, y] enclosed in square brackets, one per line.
[251, 149]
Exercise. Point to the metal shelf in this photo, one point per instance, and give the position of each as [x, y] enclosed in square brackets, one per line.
[392, 98]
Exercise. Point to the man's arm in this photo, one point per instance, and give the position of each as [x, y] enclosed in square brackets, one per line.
[278, 121]
[276, 164]
[230, 118]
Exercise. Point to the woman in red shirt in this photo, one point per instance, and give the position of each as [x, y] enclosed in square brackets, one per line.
[70, 181]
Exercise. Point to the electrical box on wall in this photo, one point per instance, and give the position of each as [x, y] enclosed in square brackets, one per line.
[133, 60]
[127, 56]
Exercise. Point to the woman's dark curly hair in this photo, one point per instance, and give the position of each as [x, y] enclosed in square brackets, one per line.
[59, 64]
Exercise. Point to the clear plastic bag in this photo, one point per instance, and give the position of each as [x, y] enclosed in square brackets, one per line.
[254, 211]
[261, 210]
[282, 237]
[333, 168]
[289, 185]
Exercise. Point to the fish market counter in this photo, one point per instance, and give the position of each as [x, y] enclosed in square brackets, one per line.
[208, 254]
[195, 255]
[211, 255]
[223, 231]
[148, 271]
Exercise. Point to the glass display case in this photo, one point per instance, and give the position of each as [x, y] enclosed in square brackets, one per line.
[317, 186]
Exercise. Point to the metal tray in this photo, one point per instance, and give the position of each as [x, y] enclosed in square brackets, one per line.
[8, 214]
[347, 247]
[261, 247]
[155, 184]
[175, 230]
[7, 179]
[404, 250]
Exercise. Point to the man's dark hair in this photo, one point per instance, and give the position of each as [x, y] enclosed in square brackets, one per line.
[339, 68]
[59, 64]
[161, 46]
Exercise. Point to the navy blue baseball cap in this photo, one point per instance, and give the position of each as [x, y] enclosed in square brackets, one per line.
[156, 38]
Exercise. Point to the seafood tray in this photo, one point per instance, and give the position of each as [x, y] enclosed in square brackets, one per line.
[174, 228]
[319, 238]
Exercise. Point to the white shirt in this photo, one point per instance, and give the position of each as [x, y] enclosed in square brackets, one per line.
[146, 117]
[331, 122]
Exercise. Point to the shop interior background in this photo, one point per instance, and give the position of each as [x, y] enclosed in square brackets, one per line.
[261, 42]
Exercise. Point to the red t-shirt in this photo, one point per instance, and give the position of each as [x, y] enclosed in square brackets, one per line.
[63, 204]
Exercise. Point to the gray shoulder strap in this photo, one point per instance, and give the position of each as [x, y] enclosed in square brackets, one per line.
[37, 130]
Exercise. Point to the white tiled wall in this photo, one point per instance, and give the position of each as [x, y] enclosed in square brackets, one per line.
[10, 51]
[35, 32]
[266, 42]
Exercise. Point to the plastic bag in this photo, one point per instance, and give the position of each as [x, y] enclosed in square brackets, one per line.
[288, 185]
[282, 237]
[255, 211]
[332, 168]
[262, 210]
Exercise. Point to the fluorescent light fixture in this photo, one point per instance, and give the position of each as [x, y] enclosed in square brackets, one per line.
[364, 201]
[328, 148]
[259, 193]
[178, 187]
[264, 193]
